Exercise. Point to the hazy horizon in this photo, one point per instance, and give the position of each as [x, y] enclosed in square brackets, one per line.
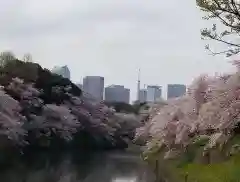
[112, 39]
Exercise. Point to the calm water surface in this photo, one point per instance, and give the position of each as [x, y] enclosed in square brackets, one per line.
[100, 167]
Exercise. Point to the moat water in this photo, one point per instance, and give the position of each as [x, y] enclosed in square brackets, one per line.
[98, 167]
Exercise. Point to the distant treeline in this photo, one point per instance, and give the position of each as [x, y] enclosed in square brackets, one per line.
[126, 108]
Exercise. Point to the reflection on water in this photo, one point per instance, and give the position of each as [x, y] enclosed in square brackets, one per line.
[129, 179]
[101, 167]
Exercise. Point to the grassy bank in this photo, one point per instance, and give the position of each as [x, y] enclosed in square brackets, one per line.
[219, 166]
[227, 171]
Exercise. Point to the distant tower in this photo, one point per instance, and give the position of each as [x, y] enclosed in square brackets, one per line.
[138, 86]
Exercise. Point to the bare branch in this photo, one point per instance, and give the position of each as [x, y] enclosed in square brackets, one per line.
[217, 53]
[224, 21]
[218, 4]
[235, 9]
[228, 12]
[220, 8]
[223, 41]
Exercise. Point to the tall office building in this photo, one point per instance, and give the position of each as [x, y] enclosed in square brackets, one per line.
[94, 85]
[62, 70]
[154, 93]
[117, 93]
[142, 95]
[175, 90]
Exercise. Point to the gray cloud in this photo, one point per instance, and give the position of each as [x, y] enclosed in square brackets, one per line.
[111, 38]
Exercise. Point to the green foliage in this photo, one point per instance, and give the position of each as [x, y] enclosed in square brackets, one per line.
[15, 68]
[228, 171]
[120, 106]
[201, 141]
[177, 170]
[46, 81]
[187, 157]
[139, 106]
[191, 152]
[154, 148]
[52, 113]
[43, 79]
[124, 107]
[228, 13]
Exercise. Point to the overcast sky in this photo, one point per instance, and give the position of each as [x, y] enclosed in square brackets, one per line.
[111, 38]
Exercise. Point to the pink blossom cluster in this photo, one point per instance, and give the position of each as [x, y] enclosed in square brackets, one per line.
[23, 111]
[211, 107]
[11, 121]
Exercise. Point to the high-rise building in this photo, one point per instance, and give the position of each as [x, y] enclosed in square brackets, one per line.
[175, 90]
[117, 93]
[154, 92]
[62, 70]
[94, 85]
[142, 95]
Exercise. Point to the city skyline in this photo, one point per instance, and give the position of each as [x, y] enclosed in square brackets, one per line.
[117, 93]
[164, 88]
[143, 93]
[94, 85]
[113, 39]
